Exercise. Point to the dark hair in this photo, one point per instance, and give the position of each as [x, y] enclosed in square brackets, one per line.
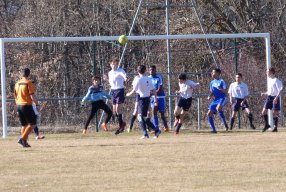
[141, 69]
[153, 66]
[95, 78]
[26, 72]
[114, 60]
[272, 70]
[217, 70]
[183, 76]
[239, 74]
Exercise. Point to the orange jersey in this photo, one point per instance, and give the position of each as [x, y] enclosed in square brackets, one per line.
[23, 91]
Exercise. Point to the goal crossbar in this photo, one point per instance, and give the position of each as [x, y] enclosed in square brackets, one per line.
[266, 36]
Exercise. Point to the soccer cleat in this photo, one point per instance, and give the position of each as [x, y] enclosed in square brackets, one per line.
[157, 134]
[144, 137]
[84, 131]
[252, 126]
[104, 126]
[275, 129]
[23, 143]
[166, 130]
[40, 137]
[265, 128]
[214, 132]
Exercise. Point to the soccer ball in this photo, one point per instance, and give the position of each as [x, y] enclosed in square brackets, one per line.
[122, 39]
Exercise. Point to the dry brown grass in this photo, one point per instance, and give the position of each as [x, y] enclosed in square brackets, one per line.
[238, 161]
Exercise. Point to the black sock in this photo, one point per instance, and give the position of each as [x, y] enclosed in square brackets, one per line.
[178, 127]
[266, 120]
[275, 122]
[119, 117]
[231, 122]
[250, 117]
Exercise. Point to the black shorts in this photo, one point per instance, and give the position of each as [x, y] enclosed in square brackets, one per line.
[143, 105]
[185, 103]
[270, 105]
[236, 104]
[26, 115]
[117, 96]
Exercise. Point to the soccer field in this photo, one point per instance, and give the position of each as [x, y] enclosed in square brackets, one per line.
[196, 161]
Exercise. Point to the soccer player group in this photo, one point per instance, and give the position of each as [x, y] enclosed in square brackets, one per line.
[150, 98]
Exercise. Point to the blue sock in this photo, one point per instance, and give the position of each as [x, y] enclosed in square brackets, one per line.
[222, 118]
[156, 121]
[211, 122]
[151, 125]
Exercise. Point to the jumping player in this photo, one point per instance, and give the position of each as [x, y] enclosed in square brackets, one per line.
[218, 90]
[274, 88]
[238, 91]
[185, 100]
[116, 78]
[97, 96]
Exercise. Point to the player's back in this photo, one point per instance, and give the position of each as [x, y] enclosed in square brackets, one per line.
[23, 89]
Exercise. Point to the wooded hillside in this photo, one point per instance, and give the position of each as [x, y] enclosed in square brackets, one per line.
[64, 70]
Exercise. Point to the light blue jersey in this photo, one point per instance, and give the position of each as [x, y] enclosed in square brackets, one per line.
[95, 94]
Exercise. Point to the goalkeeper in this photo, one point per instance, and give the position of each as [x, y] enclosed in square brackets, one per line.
[97, 96]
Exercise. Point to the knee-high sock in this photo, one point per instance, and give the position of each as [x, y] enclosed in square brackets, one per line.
[211, 122]
[231, 122]
[151, 125]
[36, 131]
[164, 120]
[156, 121]
[119, 117]
[250, 117]
[275, 122]
[178, 127]
[132, 120]
[265, 117]
[222, 118]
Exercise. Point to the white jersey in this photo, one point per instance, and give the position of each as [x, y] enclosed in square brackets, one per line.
[135, 79]
[186, 89]
[239, 91]
[143, 86]
[35, 109]
[116, 78]
[274, 86]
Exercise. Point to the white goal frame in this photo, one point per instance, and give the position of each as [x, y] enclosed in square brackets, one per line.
[266, 36]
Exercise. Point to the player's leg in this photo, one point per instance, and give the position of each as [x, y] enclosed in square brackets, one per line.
[267, 105]
[250, 117]
[233, 116]
[155, 113]
[235, 108]
[162, 109]
[31, 120]
[92, 113]
[220, 106]
[210, 115]
[276, 109]
[142, 111]
[107, 110]
[120, 97]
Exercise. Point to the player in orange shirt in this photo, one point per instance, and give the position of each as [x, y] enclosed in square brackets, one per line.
[25, 96]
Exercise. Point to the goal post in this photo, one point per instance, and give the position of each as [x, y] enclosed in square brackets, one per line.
[266, 36]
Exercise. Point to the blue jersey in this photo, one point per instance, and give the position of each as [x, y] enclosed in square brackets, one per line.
[213, 88]
[95, 94]
[157, 82]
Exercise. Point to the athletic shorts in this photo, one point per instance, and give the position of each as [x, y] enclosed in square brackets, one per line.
[117, 96]
[161, 101]
[215, 103]
[185, 103]
[143, 105]
[269, 103]
[237, 104]
[26, 115]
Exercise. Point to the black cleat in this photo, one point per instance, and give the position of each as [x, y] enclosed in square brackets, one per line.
[252, 126]
[23, 143]
[275, 129]
[265, 128]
